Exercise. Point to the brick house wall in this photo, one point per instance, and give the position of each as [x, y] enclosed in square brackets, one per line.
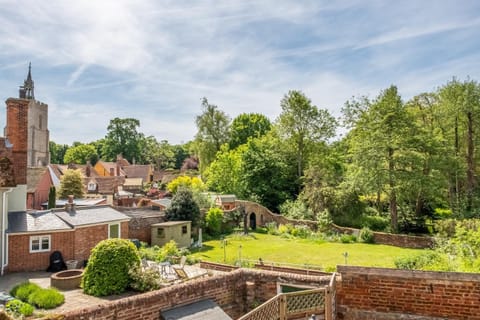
[86, 238]
[20, 259]
[379, 293]
[75, 244]
[35, 200]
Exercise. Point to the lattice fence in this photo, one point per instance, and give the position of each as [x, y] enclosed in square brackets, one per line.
[305, 301]
[270, 310]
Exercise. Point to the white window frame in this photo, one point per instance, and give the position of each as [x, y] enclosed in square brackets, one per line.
[119, 229]
[40, 240]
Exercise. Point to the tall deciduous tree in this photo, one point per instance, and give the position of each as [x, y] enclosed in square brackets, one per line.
[123, 138]
[71, 184]
[379, 143]
[57, 152]
[224, 173]
[266, 175]
[80, 154]
[461, 102]
[213, 132]
[248, 125]
[303, 125]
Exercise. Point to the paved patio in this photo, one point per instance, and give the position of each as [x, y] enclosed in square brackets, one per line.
[74, 299]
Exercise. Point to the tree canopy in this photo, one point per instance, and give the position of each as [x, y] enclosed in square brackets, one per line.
[123, 138]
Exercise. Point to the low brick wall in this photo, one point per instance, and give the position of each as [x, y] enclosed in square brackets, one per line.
[379, 293]
[398, 240]
[230, 291]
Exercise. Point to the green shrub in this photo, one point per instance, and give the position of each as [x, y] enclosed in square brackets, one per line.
[366, 235]
[375, 223]
[168, 252]
[301, 231]
[285, 228]
[348, 238]
[107, 269]
[213, 221]
[24, 290]
[421, 261]
[46, 298]
[271, 228]
[324, 220]
[18, 308]
[144, 280]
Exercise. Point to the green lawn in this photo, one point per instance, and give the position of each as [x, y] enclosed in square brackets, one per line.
[299, 251]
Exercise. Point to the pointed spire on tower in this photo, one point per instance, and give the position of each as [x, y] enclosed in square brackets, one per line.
[26, 91]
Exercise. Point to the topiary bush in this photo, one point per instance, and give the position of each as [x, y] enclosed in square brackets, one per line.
[107, 269]
[46, 298]
[24, 290]
[18, 308]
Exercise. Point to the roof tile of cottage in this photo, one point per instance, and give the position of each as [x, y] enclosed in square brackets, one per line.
[138, 171]
[91, 215]
[39, 221]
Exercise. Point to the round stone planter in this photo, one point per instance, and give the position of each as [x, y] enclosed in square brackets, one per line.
[67, 279]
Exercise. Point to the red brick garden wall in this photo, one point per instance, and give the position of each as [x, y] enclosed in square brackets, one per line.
[398, 240]
[378, 293]
[20, 258]
[228, 290]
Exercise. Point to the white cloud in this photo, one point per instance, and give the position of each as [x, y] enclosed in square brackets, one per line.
[154, 60]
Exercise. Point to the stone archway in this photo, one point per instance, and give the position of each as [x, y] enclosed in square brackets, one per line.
[253, 221]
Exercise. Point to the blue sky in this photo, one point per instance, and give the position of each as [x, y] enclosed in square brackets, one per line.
[154, 60]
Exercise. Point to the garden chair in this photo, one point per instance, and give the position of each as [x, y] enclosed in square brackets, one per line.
[181, 265]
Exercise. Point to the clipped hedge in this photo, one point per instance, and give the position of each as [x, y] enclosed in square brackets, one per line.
[46, 298]
[107, 269]
[23, 290]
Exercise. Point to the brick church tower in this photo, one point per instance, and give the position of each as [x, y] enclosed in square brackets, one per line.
[27, 128]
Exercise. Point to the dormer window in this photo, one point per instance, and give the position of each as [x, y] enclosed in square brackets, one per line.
[92, 186]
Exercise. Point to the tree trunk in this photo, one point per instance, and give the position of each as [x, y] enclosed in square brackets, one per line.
[457, 151]
[393, 195]
[470, 162]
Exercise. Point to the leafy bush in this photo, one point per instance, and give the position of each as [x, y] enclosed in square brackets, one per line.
[18, 308]
[24, 290]
[107, 269]
[285, 228]
[376, 223]
[271, 228]
[348, 238]
[366, 235]
[213, 221]
[168, 251]
[46, 298]
[297, 210]
[144, 280]
[430, 260]
[324, 220]
[301, 231]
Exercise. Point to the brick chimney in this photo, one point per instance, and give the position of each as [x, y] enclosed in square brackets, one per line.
[88, 169]
[70, 205]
